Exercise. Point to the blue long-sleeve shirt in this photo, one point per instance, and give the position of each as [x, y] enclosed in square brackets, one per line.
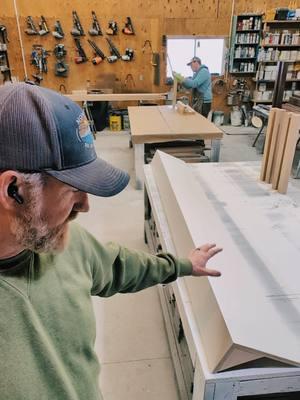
[201, 81]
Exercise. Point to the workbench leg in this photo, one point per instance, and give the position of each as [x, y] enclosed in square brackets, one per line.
[139, 153]
[215, 150]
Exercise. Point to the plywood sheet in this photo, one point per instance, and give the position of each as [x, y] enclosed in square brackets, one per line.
[253, 310]
[280, 148]
[292, 137]
[267, 143]
[189, 123]
[273, 145]
[163, 123]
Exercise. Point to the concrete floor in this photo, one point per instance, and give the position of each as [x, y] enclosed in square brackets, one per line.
[131, 340]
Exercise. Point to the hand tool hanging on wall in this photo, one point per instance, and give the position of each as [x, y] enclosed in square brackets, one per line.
[128, 56]
[115, 54]
[129, 81]
[3, 32]
[43, 27]
[128, 29]
[81, 58]
[39, 58]
[77, 29]
[58, 32]
[99, 55]
[155, 62]
[95, 29]
[31, 28]
[112, 28]
[61, 68]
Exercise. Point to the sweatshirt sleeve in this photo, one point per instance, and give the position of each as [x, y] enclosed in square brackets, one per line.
[200, 78]
[117, 269]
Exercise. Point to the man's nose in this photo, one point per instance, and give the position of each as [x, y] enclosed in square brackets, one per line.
[82, 204]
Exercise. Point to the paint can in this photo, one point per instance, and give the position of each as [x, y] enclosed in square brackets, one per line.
[115, 122]
[236, 116]
[218, 118]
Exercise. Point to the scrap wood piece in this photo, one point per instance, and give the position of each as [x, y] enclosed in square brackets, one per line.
[280, 149]
[274, 136]
[292, 137]
[184, 108]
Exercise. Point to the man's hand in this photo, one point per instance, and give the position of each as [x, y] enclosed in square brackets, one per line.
[178, 76]
[200, 256]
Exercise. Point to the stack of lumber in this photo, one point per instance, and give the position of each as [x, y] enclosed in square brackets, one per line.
[281, 139]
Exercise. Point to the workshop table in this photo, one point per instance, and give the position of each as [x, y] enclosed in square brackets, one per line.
[163, 124]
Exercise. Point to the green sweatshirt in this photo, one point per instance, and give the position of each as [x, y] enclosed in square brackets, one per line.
[47, 325]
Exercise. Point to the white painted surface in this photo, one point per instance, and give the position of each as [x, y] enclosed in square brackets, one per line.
[258, 296]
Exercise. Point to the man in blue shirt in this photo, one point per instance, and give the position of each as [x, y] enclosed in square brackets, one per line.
[200, 83]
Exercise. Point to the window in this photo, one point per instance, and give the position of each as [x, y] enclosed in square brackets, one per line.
[210, 51]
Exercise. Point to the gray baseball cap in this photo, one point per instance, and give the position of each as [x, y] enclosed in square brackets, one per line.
[44, 131]
[194, 59]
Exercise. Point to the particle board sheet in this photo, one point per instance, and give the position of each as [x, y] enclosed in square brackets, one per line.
[253, 310]
[163, 123]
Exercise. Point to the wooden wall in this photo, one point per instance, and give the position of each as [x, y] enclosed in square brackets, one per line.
[151, 20]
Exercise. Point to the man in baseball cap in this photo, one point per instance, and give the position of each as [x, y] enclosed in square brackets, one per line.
[200, 84]
[50, 268]
[194, 60]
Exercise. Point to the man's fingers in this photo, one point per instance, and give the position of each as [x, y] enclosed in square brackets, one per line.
[206, 246]
[211, 272]
[213, 251]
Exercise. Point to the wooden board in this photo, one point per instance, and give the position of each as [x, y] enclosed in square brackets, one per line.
[253, 310]
[273, 144]
[280, 148]
[117, 96]
[163, 123]
[268, 139]
[292, 137]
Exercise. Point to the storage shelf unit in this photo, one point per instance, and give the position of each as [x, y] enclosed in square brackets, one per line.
[245, 39]
[280, 42]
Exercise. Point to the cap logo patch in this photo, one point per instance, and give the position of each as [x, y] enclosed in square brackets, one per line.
[84, 131]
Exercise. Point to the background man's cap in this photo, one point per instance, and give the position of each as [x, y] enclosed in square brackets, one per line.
[44, 131]
[194, 59]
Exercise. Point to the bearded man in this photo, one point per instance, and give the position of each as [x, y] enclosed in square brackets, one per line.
[50, 268]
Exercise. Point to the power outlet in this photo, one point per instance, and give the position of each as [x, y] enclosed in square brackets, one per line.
[141, 77]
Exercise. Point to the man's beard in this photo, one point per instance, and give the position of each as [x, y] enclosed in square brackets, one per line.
[32, 232]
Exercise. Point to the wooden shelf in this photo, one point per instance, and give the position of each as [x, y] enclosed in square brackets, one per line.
[248, 30]
[266, 62]
[281, 45]
[273, 80]
[244, 58]
[241, 72]
[282, 21]
[246, 44]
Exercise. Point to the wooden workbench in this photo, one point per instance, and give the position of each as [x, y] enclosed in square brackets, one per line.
[162, 124]
[258, 293]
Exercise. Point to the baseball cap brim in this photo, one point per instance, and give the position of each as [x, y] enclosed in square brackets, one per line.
[97, 177]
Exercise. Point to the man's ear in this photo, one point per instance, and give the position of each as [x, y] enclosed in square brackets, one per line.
[11, 189]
